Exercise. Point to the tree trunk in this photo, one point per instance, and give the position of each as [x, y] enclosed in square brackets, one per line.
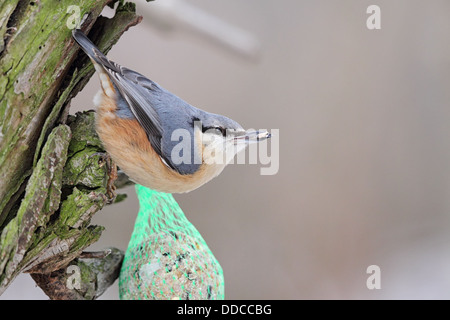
[51, 178]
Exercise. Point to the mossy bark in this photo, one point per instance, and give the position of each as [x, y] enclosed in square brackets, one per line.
[51, 180]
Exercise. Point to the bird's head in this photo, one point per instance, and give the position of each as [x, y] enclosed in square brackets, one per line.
[206, 139]
[222, 138]
[195, 139]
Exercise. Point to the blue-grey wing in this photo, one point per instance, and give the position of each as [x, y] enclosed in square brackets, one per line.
[137, 90]
[134, 88]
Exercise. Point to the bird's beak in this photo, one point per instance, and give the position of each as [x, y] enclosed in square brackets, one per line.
[252, 136]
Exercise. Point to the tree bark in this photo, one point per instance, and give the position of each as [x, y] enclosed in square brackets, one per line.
[83, 278]
[51, 179]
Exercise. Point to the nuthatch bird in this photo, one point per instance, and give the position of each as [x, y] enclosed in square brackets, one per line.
[136, 121]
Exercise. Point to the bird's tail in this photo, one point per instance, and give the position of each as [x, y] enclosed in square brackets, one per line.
[88, 47]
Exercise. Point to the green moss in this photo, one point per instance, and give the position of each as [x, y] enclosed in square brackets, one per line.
[37, 83]
[83, 132]
[33, 69]
[77, 210]
[42, 196]
[85, 169]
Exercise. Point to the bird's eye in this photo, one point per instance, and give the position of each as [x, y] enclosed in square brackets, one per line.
[216, 130]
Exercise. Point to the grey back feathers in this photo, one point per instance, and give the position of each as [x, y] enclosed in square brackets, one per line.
[157, 110]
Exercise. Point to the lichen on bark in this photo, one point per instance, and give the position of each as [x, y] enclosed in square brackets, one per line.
[51, 179]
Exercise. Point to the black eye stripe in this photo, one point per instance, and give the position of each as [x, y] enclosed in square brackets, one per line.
[223, 131]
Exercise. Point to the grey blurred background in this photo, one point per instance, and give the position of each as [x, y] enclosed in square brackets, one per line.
[364, 147]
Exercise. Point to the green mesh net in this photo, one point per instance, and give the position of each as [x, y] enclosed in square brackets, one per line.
[167, 258]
